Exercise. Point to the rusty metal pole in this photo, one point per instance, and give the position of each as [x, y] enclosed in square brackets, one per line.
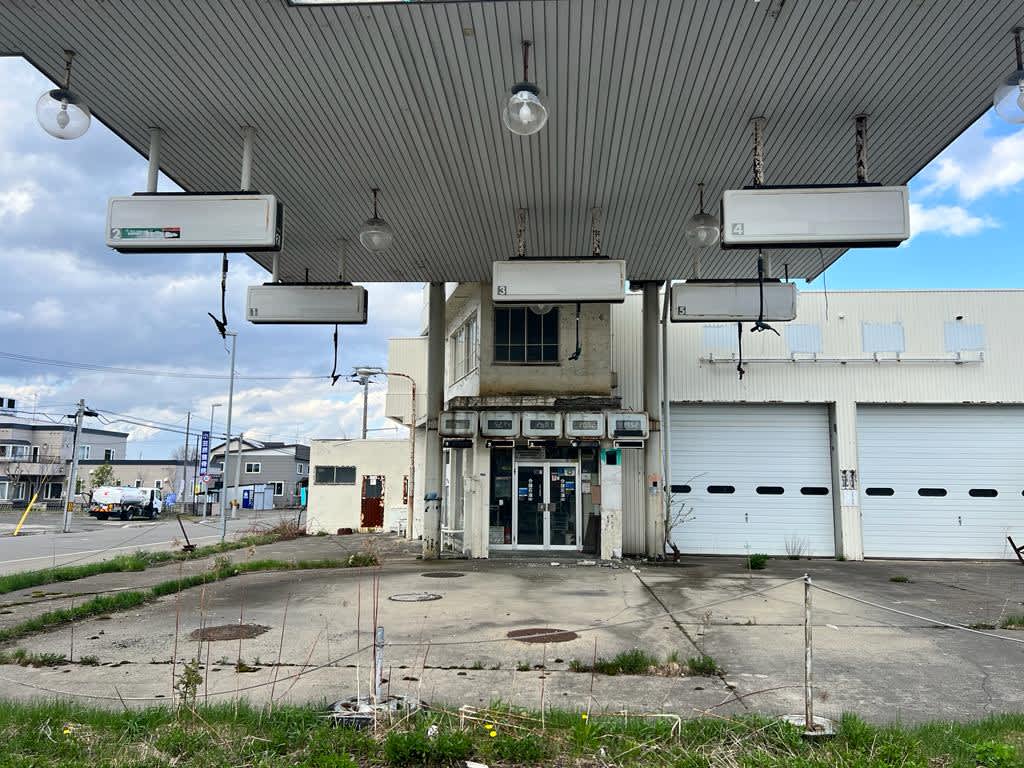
[808, 657]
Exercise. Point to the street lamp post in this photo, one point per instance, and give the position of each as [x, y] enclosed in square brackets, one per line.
[365, 373]
[227, 444]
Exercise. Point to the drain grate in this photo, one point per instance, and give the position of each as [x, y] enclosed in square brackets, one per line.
[414, 597]
[229, 632]
[542, 635]
[442, 574]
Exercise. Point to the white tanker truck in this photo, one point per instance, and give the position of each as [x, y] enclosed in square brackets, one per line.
[125, 502]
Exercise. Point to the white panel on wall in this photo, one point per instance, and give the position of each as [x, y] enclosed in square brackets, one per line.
[964, 337]
[883, 337]
[803, 338]
[719, 338]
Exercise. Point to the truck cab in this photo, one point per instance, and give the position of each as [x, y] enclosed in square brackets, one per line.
[126, 502]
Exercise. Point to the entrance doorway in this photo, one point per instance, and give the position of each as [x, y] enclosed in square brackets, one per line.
[371, 511]
[546, 506]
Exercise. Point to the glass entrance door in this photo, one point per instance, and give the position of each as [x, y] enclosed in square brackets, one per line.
[546, 508]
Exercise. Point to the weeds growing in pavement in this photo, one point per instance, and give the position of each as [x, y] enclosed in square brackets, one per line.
[757, 561]
[702, 665]
[900, 579]
[1013, 622]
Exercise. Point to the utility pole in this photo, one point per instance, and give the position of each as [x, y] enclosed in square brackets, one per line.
[227, 444]
[69, 495]
[184, 460]
[238, 470]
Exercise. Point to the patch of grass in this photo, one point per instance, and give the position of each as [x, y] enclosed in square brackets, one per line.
[141, 560]
[758, 561]
[1013, 622]
[89, 661]
[24, 658]
[632, 662]
[703, 665]
[900, 579]
[58, 733]
[522, 666]
[123, 601]
[981, 625]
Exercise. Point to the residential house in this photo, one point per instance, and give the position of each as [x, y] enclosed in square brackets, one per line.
[282, 466]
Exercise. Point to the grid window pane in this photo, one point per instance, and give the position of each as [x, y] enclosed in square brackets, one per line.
[520, 336]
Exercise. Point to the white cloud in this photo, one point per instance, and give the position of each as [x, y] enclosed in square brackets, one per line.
[47, 313]
[18, 200]
[979, 162]
[951, 220]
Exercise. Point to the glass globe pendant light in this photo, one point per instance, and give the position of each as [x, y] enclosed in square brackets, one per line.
[60, 112]
[524, 113]
[1009, 96]
[702, 229]
[375, 234]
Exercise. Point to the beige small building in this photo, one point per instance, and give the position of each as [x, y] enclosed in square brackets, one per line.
[359, 485]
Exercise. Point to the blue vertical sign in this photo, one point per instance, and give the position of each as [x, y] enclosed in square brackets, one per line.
[204, 454]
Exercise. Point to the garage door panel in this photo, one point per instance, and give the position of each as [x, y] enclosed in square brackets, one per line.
[746, 447]
[959, 449]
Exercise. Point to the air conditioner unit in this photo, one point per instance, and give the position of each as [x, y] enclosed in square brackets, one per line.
[590, 424]
[306, 304]
[542, 424]
[457, 424]
[816, 217]
[184, 223]
[628, 425]
[731, 301]
[559, 281]
[499, 424]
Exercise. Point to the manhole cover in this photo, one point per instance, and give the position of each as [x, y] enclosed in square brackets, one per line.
[542, 635]
[414, 597]
[229, 632]
[442, 574]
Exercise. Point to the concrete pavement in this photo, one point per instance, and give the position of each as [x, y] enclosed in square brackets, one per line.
[455, 649]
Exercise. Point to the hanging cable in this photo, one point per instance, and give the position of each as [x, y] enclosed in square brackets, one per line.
[334, 369]
[579, 349]
[222, 324]
[739, 347]
[761, 325]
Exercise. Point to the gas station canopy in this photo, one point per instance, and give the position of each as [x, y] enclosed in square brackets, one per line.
[646, 98]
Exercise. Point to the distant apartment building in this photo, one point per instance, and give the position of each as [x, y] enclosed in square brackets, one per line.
[282, 466]
[35, 455]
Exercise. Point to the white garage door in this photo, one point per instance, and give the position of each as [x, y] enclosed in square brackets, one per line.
[752, 479]
[941, 481]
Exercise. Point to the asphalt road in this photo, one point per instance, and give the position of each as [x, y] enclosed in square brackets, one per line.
[42, 544]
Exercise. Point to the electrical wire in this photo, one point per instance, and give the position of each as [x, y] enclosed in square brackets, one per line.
[222, 324]
[150, 372]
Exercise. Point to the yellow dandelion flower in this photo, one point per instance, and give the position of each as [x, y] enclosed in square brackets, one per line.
[584, 716]
[493, 734]
[488, 726]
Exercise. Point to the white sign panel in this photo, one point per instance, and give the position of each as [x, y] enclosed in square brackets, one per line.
[732, 301]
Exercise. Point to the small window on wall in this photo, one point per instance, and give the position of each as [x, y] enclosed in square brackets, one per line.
[883, 337]
[53, 491]
[879, 492]
[108, 454]
[983, 493]
[277, 487]
[814, 490]
[158, 484]
[463, 345]
[770, 490]
[324, 475]
[524, 336]
[933, 492]
[253, 467]
[680, 488]
[721, 489]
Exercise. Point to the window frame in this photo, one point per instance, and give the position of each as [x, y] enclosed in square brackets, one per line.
[464, 346]
[274, 485]
[250, 464]
[109, 454]
[550, 351]
[47, 496]
[84, 452]
[334, 474]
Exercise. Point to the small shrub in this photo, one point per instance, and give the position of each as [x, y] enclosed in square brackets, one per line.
[758, 561]
[406, 748]
[522, 666]
[89, 661]
[703, 665]
[575, 665]
[526, 750]
[361, 560]
[477, 664]
[995, 754]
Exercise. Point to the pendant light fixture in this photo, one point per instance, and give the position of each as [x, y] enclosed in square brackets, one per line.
[1009, 96]
[525, 114]
[702, 229]
[60, 112]
[375, 234]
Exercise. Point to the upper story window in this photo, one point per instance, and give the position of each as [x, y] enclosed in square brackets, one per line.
[964, 337]
[158, 484]
[883, 337]
[464, 345]
[300, 469]
[9, 451]
[803, 338]
[522, 335]
[253, 467]
[84, 451]
[108, 454]
[325, 475]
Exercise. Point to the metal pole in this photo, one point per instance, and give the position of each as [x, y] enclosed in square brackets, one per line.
[249, 134]
[434, 459]
[206, 486]
[653, 503]
[238, 475]
[366, 392]
[155, 137]
[808, 654]
[184, 458]
[412, 463]
[73, 473]
[227, 444]
[378, 666]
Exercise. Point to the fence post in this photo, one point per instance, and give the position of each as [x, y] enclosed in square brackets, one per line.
[808, 657]
[378, 665]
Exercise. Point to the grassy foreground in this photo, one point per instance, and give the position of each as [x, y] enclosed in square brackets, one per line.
[141, 560]
[65, 735]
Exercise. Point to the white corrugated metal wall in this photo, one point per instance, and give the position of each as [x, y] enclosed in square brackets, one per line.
[627, 363]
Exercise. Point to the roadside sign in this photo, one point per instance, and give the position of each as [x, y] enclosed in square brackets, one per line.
[204, 456]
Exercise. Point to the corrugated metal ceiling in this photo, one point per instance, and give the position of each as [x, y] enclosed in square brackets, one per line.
[646, 98]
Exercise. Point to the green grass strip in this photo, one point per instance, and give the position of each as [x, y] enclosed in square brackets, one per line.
[123, 601]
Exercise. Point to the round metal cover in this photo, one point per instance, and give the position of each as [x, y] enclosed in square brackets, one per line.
[442, 574]
[542, 635]
[228, 632]
[414, 597]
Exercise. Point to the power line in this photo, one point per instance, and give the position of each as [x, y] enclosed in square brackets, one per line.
[149, 372]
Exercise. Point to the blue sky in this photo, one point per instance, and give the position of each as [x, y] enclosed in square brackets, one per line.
[69, 298]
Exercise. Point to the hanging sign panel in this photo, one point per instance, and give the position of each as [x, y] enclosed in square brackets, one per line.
[732, 301]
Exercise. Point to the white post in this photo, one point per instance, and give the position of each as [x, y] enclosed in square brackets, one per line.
[155, 137]
[378, 666]
[412, 462]
[666, 414]
[238, 476]
[808, 654]
[73, 473]
[653, 502]
[227, 444]
[249, 137]
[434, 459]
